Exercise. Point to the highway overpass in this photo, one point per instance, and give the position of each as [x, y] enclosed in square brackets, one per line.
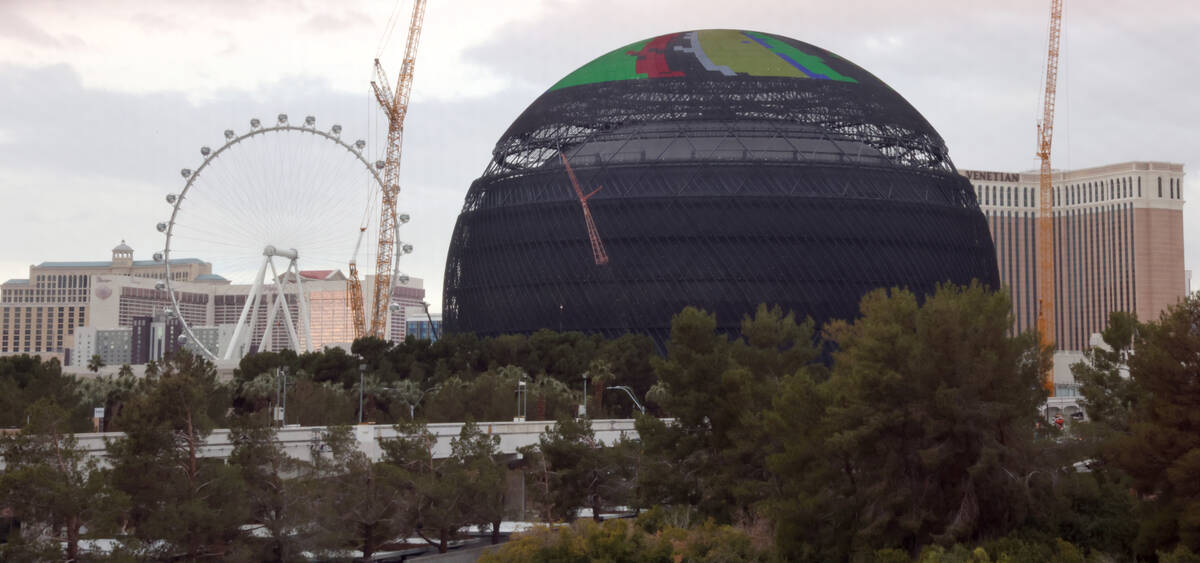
[299, 441]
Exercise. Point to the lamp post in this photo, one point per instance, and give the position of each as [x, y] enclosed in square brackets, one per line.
[412, 405]
[583, 407]
[629, 392]
[281, 395]
[520, 401]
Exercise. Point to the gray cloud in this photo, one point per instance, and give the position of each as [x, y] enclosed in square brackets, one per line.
[327, 22]
[16, 26]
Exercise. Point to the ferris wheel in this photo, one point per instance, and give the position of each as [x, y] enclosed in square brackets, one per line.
[258, 207]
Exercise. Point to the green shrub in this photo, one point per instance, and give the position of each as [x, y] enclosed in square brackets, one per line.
[625, 540]
[1181, 554]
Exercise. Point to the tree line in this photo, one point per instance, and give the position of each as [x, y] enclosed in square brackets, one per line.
[911, 431]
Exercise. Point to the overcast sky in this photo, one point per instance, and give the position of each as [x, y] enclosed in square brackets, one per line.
[103, 102]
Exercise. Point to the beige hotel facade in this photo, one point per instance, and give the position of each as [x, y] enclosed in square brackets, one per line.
[41, 314]
[1118, 243]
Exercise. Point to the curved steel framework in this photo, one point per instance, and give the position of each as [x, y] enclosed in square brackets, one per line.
[719, 191]
[241, 331]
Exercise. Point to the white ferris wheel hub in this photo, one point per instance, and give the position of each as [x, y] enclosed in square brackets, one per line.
[290, 253]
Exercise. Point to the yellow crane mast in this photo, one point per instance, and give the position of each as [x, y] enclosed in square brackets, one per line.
[395, 104]
[354, 290]
[1045, 224]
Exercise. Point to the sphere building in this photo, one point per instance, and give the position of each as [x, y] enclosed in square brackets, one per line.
[715, 168]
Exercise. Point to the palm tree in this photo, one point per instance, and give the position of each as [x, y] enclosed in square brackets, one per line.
[545, 387]
[95, 363]
[601, 374]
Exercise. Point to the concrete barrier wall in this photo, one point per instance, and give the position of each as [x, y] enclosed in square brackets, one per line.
[298, 441]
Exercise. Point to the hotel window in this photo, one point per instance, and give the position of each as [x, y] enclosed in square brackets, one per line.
[1139, 186]
[1160, 186]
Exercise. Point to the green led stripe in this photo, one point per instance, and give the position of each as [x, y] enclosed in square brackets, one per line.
[616, 65]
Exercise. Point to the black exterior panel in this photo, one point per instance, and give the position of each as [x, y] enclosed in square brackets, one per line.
[718, 193]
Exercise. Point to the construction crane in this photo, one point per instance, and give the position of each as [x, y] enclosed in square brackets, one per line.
[354, 289]
[395, 104]
[1045, 225]
[598, 253]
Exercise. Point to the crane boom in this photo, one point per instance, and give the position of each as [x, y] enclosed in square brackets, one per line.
[354, 290]
[395, 104]
[598, 253]
[1045, 225]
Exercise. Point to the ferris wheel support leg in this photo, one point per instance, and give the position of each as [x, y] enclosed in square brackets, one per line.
[269, 332]
[287, 314]
[303, 304]
[239, 329]
[252, 323]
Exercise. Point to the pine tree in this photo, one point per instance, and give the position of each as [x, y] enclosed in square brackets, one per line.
[279, 497]
[357, 502]
[923, 431]
[568, 469]
[451, 492]
[713, 456]
[183, 505]
[53, 485]
[1161, 451]
[477, 457]
[1109, 393]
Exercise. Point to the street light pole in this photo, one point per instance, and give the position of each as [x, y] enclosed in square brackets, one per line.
[629, 391]
[585, 395]
[520, 401]
[280, 396]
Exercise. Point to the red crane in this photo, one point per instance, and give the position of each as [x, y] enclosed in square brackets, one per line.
[598, 253]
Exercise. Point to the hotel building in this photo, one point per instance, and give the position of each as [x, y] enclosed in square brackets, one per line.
[73, 310]
[1118, 243]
